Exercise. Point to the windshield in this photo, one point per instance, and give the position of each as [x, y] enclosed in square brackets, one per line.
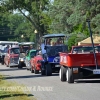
[24, 48]
[56, 41]
[54, 50]
[15, 51]
[85, 49]
[33, 53]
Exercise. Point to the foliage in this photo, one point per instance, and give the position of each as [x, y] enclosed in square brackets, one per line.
[69, 16]
[35, 9]
[71, 41]
[60, 16]
[16, 25]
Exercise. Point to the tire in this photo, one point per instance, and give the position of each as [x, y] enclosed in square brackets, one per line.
[27, 69]
[32, 71]
[48, 70]
[20, 65]
[9, 65]
[42, 70]
[36, 71]
[70, 78]
[2, 63]
[27, 66]
[62, 73]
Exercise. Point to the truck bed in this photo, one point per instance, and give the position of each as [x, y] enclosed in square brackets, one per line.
[79, 60]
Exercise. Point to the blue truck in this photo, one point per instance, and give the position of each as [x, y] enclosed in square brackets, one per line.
[51, 45]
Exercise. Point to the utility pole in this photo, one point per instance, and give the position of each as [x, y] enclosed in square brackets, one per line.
[88, 21]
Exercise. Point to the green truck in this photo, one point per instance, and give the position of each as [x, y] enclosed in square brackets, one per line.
[28, 57]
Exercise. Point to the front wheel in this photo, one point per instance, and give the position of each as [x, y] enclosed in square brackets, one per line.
[2, 63]
[20, 65]
[32, 71]
[48, 70]
[42, 69]
[36, 71]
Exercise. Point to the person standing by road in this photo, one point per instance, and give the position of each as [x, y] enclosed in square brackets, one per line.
[6, 49]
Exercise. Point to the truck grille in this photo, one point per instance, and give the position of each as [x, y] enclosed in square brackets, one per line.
[14, 60]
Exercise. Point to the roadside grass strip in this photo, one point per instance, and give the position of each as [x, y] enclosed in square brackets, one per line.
[13, 91]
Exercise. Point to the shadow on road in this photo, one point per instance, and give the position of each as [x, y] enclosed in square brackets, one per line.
[88, 81]
[12, 69]
[28, 76]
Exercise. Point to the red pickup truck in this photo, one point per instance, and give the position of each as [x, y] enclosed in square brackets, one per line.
[12, 57]
[79, 63]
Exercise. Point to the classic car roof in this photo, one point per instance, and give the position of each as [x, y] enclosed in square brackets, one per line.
[26, 43]
[8, 42]
[54, 35]
[13, 47]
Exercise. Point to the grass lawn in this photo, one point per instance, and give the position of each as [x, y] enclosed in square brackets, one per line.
[7, 93]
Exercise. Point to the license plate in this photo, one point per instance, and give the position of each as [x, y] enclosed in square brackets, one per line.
[96, 71]
[57, 65]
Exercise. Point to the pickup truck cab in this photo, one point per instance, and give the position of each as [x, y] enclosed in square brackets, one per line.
[79, 63]
[12, 57]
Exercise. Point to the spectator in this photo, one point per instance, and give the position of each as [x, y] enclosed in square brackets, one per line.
[6, 49]
[30, 48]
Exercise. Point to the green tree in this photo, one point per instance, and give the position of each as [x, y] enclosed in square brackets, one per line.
[13, 26]
[69, 16]
[36, 12]
[59, 12]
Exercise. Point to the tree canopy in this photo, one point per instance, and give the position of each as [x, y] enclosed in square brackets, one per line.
[60, 16]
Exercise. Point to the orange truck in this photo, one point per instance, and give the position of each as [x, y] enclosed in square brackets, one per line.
[79, 63]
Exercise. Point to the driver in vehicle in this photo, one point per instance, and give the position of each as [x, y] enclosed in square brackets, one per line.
[39, 53]
[60, 43]
[30, 48]
[48, 42]
[75, 51]
[96, 50]
[52, 43]
[21, 49]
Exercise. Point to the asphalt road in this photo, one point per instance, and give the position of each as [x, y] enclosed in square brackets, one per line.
[53, 88]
